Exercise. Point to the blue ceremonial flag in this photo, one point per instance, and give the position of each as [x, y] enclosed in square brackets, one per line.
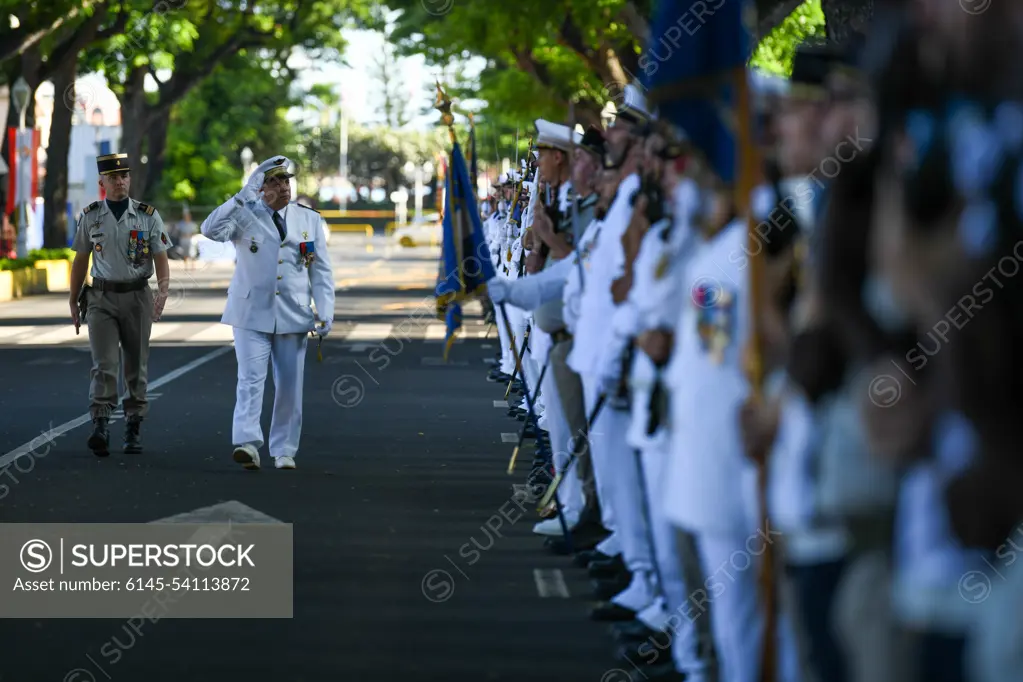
[689, 70]
[465, 264]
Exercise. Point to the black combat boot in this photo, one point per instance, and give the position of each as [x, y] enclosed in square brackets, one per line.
[132, 439]
[99, 441]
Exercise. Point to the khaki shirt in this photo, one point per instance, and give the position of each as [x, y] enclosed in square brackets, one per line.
[550, 316]
[122, 250]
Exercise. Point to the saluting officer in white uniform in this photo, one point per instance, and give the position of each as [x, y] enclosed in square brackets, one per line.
[282, 266]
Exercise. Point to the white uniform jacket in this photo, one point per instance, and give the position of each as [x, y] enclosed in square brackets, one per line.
[273, 285]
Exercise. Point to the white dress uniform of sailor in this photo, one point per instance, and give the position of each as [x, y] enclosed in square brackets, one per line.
[654, 301]
[502, 249]
[570, 492]
[611, 453]
[520, 319]
[710, 487]
[268, 305]
[576, 278]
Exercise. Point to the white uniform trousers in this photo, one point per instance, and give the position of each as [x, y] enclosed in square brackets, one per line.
[507, 359]
[287, 355]
[616, 469]
[570, 492]
[673, 551]
[731, 567]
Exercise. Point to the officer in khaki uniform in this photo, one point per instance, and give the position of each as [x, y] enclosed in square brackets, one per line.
[126, 240]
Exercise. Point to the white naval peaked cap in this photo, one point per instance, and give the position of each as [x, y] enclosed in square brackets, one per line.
[553, 136]
[634, 105]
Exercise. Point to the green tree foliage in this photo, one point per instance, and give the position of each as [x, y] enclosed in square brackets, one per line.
[774, 53]
[376, 154]
[544, 58]
[242, 103]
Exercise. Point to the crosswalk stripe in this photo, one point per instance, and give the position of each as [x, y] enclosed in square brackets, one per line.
[51, 335]
[369, 332]
[162, 329]
[219, 333]
[12, 332]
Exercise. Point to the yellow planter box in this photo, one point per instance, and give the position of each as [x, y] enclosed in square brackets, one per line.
[6, 285]
[58, 274]
[40, 278]
[29, 282]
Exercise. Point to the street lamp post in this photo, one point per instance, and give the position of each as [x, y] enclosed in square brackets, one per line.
[246, 162]
[422, 174]
[19, 99]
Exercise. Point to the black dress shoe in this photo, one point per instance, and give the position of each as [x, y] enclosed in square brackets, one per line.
[662, 672]
[583, 538]
[609, 612]
[611, 568]
[99, 440]
[606, 589]
[631, 631]
[585, 557]
[647, 651]
[132, 438]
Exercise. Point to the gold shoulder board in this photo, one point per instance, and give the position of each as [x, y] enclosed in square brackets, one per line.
[91, 206]
[146, 208]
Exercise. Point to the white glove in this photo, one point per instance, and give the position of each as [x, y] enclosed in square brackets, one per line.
[322, 328]
[251, 190]
[498, 289]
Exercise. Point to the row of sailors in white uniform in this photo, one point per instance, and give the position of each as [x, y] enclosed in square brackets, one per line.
[697, 484]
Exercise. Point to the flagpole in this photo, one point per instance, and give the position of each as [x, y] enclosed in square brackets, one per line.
[749, 172]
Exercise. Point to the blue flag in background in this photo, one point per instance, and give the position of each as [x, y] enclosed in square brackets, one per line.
[465, 264]
[688, 67]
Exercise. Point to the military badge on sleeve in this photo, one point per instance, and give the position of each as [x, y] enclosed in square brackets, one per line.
[715, 323]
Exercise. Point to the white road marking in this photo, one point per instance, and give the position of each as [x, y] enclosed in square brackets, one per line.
[509, 438]
[10, 332]
[369, 332]
[59, 334]
[550, 583]
[500, 403]
[56, 432]
[214, 333]
[231, 511]
[162, 329]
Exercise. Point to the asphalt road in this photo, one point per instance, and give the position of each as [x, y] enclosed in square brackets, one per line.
[401, 465]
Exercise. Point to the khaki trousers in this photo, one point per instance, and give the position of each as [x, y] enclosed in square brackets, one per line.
[119, 322]
[570, 390]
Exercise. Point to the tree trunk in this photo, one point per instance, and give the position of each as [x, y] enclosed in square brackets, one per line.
[156, 148]
[845, 18]
[55, 227]
[134, 115]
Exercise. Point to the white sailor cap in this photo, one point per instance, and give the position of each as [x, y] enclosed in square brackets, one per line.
[555, 136]
[764, 86]
[633, 107]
